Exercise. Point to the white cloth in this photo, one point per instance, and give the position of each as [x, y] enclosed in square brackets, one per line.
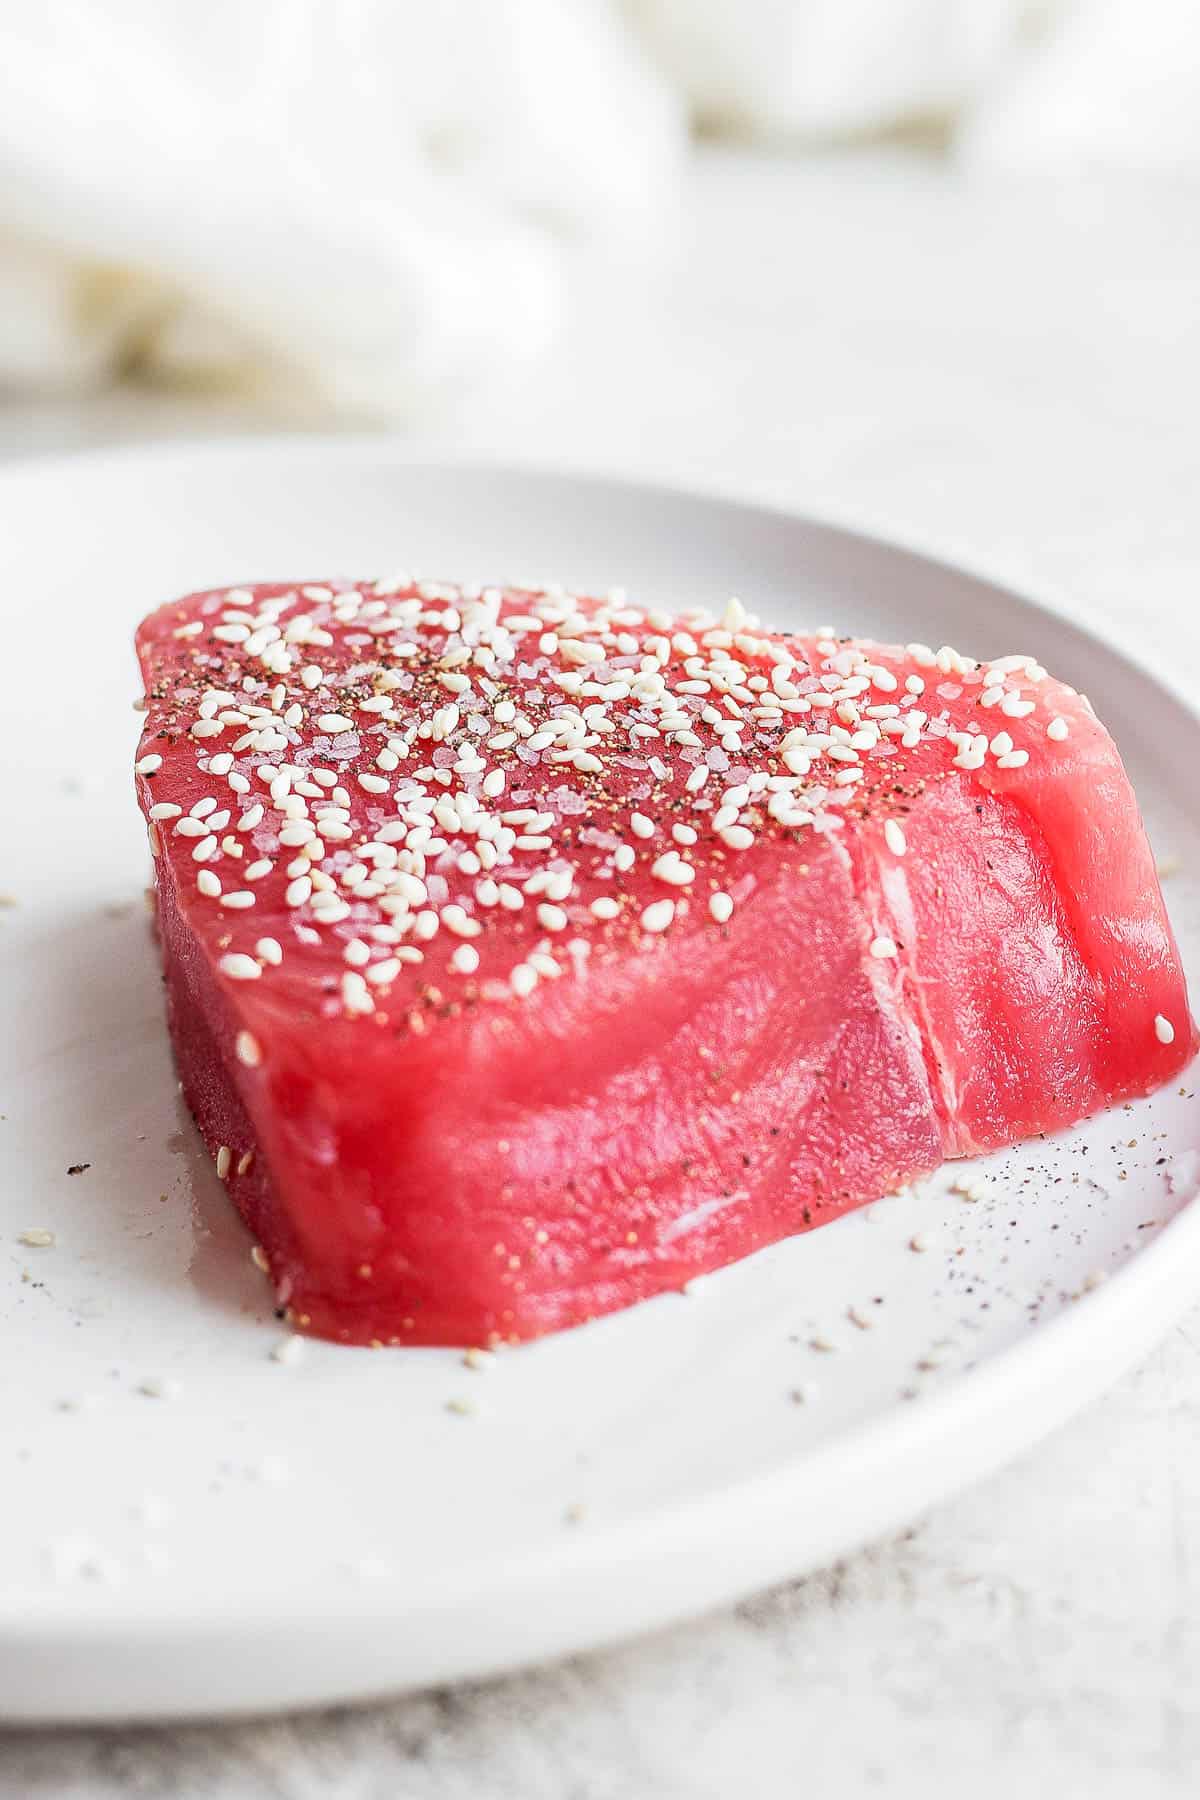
[369, 194]
[376, 202]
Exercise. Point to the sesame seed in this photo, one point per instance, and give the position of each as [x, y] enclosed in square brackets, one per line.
[258, 1257]
[158, 1388]
[551, 918]
[38, 1238]
[1057, 730]
[658, 916]
[148, 765]
[884, 947]
[641, 826]
[721, 908]
[894, 837]
[356, 995]
[239, 967]
[249, 1050]
[289, 1349]
[605, 907]
[208, 883]
[1164, 1031]
[523, 979]
[270, 950]
[465, 959]
[223, 1159]
[460, 922]
[672, 869]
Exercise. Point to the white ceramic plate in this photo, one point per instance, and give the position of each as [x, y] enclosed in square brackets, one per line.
[191, 1527]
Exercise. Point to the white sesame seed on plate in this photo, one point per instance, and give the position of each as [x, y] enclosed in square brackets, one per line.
[160, 1388]
[37, 1238]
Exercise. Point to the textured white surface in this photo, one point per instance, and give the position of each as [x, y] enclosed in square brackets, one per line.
[1017, 375]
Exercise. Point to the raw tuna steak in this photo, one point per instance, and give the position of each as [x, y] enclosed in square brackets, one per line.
[529, 954]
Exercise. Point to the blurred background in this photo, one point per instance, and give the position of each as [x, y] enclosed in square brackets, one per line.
[932, 263]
